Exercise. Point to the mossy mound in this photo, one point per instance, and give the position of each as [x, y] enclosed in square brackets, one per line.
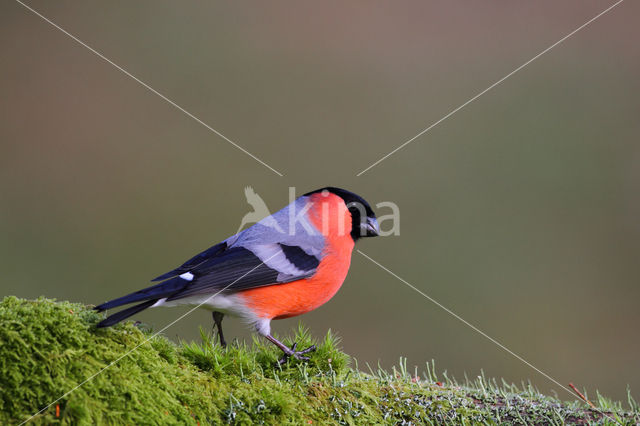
[52, 350]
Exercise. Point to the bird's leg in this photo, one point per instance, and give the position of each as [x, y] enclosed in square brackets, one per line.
[290, 351]
[217, 321]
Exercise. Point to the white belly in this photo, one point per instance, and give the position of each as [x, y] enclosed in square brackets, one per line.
[230, 304]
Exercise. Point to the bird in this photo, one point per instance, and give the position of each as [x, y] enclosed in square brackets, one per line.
[287, 264]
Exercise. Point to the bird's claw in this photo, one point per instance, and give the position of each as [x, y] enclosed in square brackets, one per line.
[299, 355]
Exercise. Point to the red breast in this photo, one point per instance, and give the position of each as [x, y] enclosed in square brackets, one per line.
[330, 216]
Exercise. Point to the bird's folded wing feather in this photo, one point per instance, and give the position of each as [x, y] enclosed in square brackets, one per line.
[258, 256]
[243, 268]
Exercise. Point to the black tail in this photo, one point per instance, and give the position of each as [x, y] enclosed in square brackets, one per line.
[150, 295]
[158, 291]
[117, 317]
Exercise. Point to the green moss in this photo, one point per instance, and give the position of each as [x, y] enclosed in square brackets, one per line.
[50, 348]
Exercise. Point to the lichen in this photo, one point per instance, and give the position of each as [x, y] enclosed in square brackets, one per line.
[52, 350]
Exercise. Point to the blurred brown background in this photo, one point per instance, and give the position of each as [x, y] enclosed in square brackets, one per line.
[520, 212]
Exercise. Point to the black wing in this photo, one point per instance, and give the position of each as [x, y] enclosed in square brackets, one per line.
[225, 269]
[239, 268]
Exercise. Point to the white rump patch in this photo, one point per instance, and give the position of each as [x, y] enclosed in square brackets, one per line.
[159, 302]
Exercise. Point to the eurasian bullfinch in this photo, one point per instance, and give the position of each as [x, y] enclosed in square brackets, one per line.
[287, 264]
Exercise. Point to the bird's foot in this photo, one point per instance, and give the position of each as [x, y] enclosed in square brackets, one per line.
[217, 323]
[299, 355]
[222, 342]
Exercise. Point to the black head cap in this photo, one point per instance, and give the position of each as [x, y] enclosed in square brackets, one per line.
[363, 219]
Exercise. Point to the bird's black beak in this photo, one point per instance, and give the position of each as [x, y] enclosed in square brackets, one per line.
[370, 228]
